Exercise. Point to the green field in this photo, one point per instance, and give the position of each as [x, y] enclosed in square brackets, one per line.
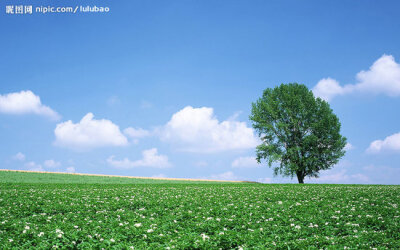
[63, 178]
[70, 211]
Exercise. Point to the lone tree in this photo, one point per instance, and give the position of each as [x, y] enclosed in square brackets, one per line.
[297, 130]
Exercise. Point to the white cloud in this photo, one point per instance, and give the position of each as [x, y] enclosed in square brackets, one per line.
[341, 177]
[390, 143]
[136, 132]
[25, 102]
[52, 163]
[348, 146]
[265, 180]
[89, 133]
[360, 177]
[383, 174]
[32, 166]
[245, 162]
[70, 170]
[235, 116]
[383, 77]
[19, 157]
[159, 176]
[327, 88]
[226, 176]
[150, 158]
[197, 130]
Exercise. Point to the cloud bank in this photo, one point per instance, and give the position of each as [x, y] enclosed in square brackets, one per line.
[89, 133]
[150, 158]
[19, 157]
[198, 130]
[32, 166]
[390, 143]
[25, 102]
[70, 170]
[226, 176]
[383, 77]
[342, 177]
[245, 162]
[136, 133]
[52, 163]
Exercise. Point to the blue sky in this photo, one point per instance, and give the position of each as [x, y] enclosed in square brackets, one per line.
[164, 88]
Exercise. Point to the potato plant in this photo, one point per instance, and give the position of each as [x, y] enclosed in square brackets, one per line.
[198, 215]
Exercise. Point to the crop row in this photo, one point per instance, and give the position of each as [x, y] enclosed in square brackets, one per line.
[199, 216]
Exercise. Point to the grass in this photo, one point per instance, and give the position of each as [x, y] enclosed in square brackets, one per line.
[41, 211]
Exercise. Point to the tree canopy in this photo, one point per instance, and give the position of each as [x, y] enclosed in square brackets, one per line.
[298, 131]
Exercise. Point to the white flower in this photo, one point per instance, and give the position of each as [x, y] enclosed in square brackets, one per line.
[297, 227]
[59, 235]
[280, 202]
[204, 236]
[138, 225]
[40, 234]
[10, 240]
[27, 227]
[112, 240]
[150, 230]
[75, 226]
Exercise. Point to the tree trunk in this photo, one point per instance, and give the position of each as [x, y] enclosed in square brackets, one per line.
[300, 177]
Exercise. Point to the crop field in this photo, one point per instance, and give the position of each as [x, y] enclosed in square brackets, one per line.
[120, 213]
